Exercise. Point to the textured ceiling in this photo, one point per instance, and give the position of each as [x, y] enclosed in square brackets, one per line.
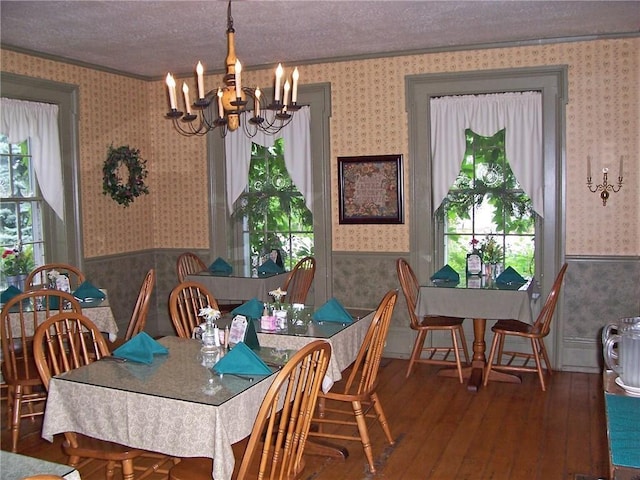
[150, 38]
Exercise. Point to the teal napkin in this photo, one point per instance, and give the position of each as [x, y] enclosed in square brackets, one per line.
[332, 311]
[269, 268]
[624, 425]
[9, 293]
[446, 274]
[87, 291]
[141, 349]
[242, 360]
[220, 267]
[251, 309]
[510, 277]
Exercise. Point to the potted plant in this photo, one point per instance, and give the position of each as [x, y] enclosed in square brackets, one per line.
[16, 265]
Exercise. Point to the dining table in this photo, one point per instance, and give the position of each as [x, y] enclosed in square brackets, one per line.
[15, 467]
[238, 288]
[479, 303]
[176, 405]
[97, 310]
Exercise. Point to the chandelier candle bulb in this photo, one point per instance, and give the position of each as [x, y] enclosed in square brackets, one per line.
[187, 104]
[238, 79]
[276, 94]
[171, 85]
[287, 87]
[588, 166]
[294, 94]
[257, 103]
[220, 108]
[200, 72]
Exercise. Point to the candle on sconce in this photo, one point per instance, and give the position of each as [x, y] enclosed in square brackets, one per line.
[256, 108]
[276, 93]
[220, 108]
[185, 91]
[294, 90]
[171, 85]
[238, 79]
[605, 170]
[287, 87]
[200, 72]
[588, 166]
[621, 161]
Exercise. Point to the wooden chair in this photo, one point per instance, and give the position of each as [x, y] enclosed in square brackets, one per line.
[535, 333]
[20, 318]
[360, 390]
[67, 341]
[296, 386]
[430, 323]
[140, 310]
[38, 278]
[185, 302]
[189, 263]
[299, 280]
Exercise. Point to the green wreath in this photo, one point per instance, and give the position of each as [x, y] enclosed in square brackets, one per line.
[124, 192]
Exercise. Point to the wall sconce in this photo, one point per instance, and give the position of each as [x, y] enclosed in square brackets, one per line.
[605, 187]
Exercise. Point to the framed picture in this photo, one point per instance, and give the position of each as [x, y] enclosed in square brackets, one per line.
[370, 189]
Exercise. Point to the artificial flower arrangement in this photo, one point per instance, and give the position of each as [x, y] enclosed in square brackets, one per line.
[491, 250]
[17, 261]
[210, 314]
[277, 294]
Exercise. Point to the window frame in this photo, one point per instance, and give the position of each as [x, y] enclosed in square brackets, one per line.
[552, 81]
[223, 233]
[63, 238]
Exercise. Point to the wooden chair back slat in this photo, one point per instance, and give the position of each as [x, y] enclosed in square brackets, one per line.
[299, 280]
[189, 263]
[141, 308]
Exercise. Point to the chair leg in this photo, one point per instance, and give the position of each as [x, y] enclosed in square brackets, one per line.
[364, 434]
[16, 410]
[417, 350]
[321, 406]
[536, 356]
[382, 419]
[111, 466]
[543, 349]
[497, 338]
[456, 352]
[500, 350]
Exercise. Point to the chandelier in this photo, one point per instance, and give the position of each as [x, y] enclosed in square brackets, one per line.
[232, 106]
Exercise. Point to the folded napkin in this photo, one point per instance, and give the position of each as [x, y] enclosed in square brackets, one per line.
[141, 349]
[251, 309]
[332, 311]
[220, 267]
[446, 274]
[242, 360]
[510, 277]
[87, 291]
[9, 293]
[269, 268]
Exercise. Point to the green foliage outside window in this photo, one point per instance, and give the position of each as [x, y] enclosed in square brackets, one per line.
[273, 211]
[486, 200]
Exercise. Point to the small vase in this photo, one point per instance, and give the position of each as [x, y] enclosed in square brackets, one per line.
[17, 281]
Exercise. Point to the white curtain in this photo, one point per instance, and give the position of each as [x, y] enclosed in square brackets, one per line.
[297, 156]
[519, 113]
[38, 122]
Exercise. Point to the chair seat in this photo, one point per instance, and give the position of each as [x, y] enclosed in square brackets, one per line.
[512, 326]
[441, 321]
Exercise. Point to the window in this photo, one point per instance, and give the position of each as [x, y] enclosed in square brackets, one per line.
[22, 207]
[272, 210]
[486, 202]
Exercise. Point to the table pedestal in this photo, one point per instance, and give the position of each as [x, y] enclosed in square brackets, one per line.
[474, 372]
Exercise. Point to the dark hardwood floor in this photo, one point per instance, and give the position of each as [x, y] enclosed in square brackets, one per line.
[442, 431]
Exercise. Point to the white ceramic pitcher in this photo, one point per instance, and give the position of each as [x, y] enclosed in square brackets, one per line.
[626, 361]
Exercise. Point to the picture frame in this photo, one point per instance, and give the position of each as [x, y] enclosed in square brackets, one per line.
[370, 189]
